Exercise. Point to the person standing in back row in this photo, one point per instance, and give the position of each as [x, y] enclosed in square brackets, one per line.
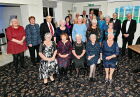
[49, 26]
[128, 30]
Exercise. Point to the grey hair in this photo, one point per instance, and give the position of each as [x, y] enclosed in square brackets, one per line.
[92, 35]
[80, 17]
[11, 21]
[78, 35]
[107, 16]
[94, 21]
[47, 34]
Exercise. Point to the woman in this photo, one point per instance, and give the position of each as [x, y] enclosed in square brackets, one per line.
[68, 23]
[78, 53]
[101, 23]
[16, 43]
[79, 28]
[93, 29]
[64, 48]
[110, 30]
[107, 20]
[48, 64]
[93, 50]
[60, 30]
[33, 39]
[110, 51]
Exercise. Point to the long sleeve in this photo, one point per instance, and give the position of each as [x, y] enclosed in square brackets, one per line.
[87, 49]
[73, 33]
[28, 35]
[8, 34]
[117, 49]
[42, 31]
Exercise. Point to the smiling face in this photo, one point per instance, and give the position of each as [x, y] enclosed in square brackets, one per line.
[110, 36]
[48, 37]
[110, 26]
[114, 15]
[49, 19]
[14, 23]
[93, 38]
[129, 16]
[80, 20]
[32, 21]
[62, 23]
[78, 38]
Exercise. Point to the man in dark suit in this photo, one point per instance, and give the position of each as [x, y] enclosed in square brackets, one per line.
[47, 27]
[84, 15]
[128, 29]
[117, 25]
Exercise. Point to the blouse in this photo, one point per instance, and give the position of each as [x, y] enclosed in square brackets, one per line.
[33, 34]
[79, 29]
[18, 34]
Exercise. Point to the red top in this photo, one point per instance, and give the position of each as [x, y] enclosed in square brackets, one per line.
[19, 33]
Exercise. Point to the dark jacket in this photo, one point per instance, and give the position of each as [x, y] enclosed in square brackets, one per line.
[117, 26]
[131, 29]
[45, 29]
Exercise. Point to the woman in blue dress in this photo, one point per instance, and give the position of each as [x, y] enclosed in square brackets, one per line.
[79, 28]
[110, 51]
[93, 50]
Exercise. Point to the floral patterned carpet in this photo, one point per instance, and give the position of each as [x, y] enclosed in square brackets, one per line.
[27, 82]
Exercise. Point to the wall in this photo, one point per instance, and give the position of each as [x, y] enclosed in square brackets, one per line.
[6, 12]
[28, 8]
[62, 10]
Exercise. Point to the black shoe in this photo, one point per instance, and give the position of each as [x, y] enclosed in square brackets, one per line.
[94, 79]
[46, 84]
[53, 81]
[106, 81]
[90, 79]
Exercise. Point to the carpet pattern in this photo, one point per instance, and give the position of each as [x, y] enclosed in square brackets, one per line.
[27, 82]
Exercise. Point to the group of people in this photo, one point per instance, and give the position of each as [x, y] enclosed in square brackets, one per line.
[81, 41]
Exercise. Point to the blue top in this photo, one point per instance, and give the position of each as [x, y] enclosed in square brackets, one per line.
[105, 27]
[101, 24]
[79, 29]
[93, 50]
[58, 32]
[108, 51]
[33, 34]
[106, 34]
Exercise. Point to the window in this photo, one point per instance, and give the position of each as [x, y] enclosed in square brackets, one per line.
[124, 10]
[48, 12]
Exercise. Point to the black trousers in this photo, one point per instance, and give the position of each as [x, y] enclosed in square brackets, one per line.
[125, 41]
[18, 59]
[32, 53]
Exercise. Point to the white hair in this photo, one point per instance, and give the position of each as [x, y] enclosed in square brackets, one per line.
[107, 16]
[12, 20]
[48, 34]
[80, 17]
[92, 35]
[61, 21]
[78, 35]
[94, 21]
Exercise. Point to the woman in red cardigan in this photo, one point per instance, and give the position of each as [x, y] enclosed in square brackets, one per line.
[16, 43]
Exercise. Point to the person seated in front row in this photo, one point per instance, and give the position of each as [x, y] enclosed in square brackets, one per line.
[78, 53]
[110, 51]
[48, 64]
[64, 48]
[93, 50]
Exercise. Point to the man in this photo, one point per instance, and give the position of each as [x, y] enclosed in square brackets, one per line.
[117, 25]
[84, 15]
[47, 27]
[128, 29]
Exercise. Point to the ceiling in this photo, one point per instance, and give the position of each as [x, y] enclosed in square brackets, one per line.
[91, 0]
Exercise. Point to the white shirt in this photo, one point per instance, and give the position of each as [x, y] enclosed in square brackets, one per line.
[49, 26]
[127, 25]
[114, 20]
